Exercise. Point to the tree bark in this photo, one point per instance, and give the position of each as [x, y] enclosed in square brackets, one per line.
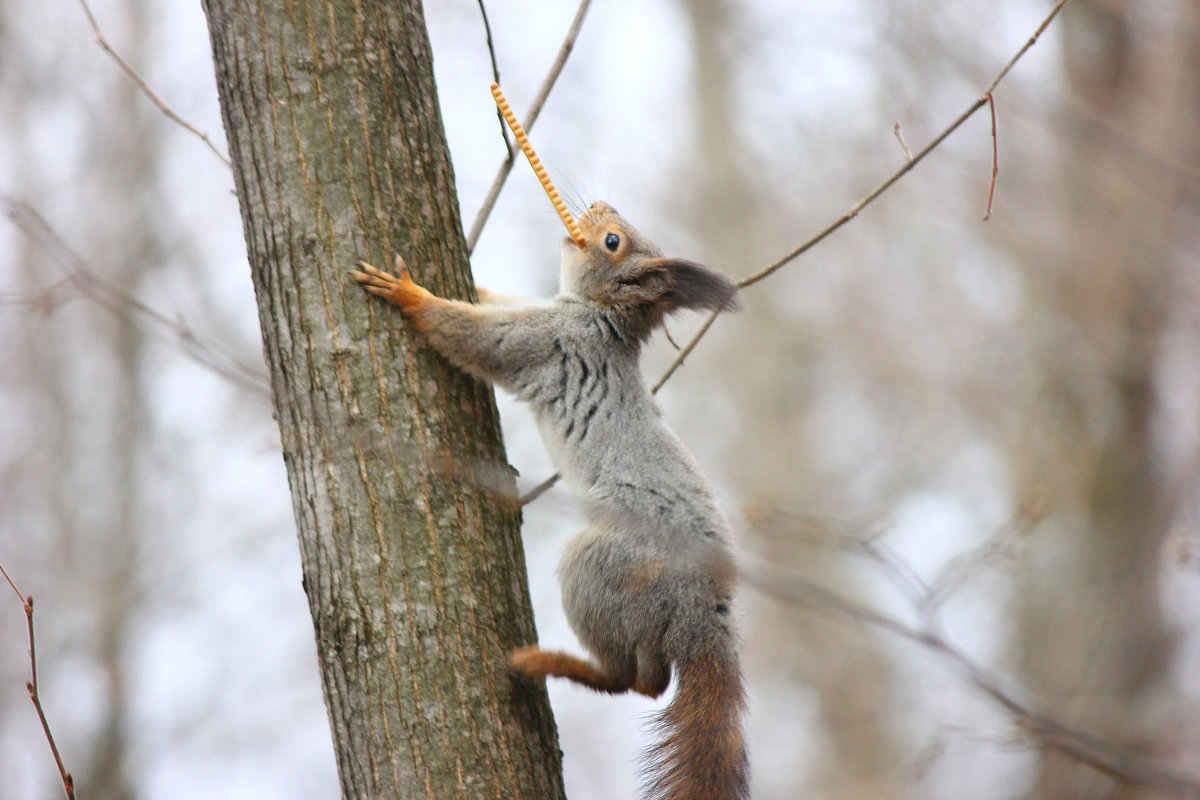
[405, 505]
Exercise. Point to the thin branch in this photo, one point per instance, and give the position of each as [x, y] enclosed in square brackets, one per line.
[44, 299]
[491, 47]
[540, 489]
[670, 338]
[119, 302]
[684, 353]
[146, 90]
[539, 100]
[1122, 763]
[903, 144]
[32, 687]
[998, 548]
[987, 214]
[4, 572]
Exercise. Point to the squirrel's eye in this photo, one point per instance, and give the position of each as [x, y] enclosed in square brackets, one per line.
[612, 242]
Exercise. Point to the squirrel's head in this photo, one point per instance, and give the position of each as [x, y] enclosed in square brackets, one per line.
[617, 266]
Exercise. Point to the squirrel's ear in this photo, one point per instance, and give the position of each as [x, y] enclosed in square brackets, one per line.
[677, 283]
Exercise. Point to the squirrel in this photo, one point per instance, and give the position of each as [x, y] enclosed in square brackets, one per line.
[647, 585]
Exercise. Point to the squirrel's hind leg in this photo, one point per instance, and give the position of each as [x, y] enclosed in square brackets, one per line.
[653, 671]
[535, 663]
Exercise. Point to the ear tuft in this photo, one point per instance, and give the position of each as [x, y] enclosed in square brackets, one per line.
[696, 286]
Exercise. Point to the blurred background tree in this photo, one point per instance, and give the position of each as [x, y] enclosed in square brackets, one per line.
[1009, 405]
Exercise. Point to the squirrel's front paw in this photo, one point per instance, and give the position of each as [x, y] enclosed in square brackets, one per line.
[399, 289]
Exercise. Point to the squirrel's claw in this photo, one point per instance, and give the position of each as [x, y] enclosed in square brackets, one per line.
[368, 274]
[377, 281]
[400, 268]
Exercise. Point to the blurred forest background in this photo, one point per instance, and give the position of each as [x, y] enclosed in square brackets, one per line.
[987, 431]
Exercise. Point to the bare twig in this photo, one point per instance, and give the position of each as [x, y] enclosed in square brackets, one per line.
[987, 214]
[903, 144]
[1001, 547]
[491, 47]
[539, 100]
[670, 338]
[540, 489]
[684, 352]
[119, 302]
[32, 687]
[44, 299]
[146, 90]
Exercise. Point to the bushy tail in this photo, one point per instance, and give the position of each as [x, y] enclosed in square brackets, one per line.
[702, 753]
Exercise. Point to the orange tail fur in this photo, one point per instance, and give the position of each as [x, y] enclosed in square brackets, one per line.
[702, 755]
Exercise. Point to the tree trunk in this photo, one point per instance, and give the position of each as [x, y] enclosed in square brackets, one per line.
[409, 531]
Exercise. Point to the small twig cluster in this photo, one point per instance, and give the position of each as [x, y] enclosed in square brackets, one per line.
[87, 281]
[926, 599]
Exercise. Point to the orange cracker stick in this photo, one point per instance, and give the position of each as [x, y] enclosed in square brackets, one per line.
[536, 163]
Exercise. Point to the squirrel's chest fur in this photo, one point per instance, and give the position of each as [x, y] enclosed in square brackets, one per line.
[607, 437]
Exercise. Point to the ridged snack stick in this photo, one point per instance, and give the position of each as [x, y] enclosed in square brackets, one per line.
[535, 162]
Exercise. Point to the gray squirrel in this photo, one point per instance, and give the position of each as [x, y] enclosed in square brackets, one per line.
[647, 585]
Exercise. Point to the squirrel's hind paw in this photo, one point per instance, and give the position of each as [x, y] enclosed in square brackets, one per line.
[530, 661]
